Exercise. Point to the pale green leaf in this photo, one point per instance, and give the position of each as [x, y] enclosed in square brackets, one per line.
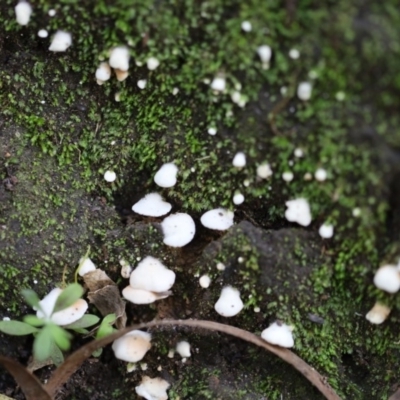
[43, 344]
[68, 297]
[84, 322]
[17, 328]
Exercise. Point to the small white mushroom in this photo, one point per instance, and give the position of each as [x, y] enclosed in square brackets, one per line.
[264, 171]
[287, 176]
[326, 230]
[120, 74]
[166, 176]
[61, 41]
[320, 175]
[119, 58]
[178, 229]
[23, 12]
[265, 54]
[229, 303]
[298, 152]
[152, 205]
[298, 210]
[110, 176]
[378, 313]
[133, 346]
[183, 348]
[304, 90]
[205, 281]
[218, 84]
[126, 268]
[85, 265]
[212, 131]
[239, 161]
[141, 83]
[294, 54]
[238, 198]
[218, 219]
[140, 296]
[387, 278]
[43, 33]
[152, 63]
[152, 275]
[246, 26]
[278, 334]
[153, 389]
[103, 72]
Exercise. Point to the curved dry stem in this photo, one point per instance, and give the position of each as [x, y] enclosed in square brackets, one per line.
[30, 385]
[73, 362]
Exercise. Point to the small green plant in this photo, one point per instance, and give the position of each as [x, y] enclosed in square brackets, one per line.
[51, 339]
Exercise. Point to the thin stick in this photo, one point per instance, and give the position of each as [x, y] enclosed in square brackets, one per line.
[73, 362]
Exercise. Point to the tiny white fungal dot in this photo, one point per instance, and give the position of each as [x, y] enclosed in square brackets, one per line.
[61, 41]
[175, 91]
[152, 63]
[218, 84]
[326, 231]
[257, 309]
[205, 281]
[43, 33]
[220, 267]
[110, 176]
[52, 12]
[238, 198]
[287, 176]
[246, 26]
[356, 212]
[240, 259]
[212, 131]
[304, 90]
[141, 83]
[117, 97]
[307, 176]
[239, 161]
[294, 54]
[340, 96]
[283, 90]
[264, 171]
[298, 152]
[246, 183]
[320, 174]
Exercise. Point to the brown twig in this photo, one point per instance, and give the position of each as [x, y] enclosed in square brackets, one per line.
[73, 362]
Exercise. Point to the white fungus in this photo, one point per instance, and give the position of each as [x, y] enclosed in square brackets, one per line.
[61, 41]
[166, 176]
[43, 33]
[265, 54]
[126, 268]
[178, 229]
[320, 175]
[152, 63]
[152, 205]
[340, 96]
[141, 296]
[212, 131]
[326, 231]
[221, 266]
[52, 12]
[120, 74]
[294, 54]
[378, 313]
[153, 389]
[183, 348]
[298, 152]
[219, 219]
[387, 278]
[152, 275]
[103, 73]
[229, 303]
[23, 12]
[298, 210]
[119, 58]
[205, 281]
[86, 265]
[239, 161]
[238, 198]
[278, 334]
[110, 176]
[287, 176]
[133, 346]
[175, 91]
[218, 84]
[246, 26]
[304, 90]
[264, 171]
[141, 83]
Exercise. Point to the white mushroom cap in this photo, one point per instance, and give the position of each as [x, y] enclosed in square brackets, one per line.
[326, 230]
[126, 269]
[264, 171]
[378, 313]
[265, 53]
[152, 63]
[178, 229]
[183, 348]
[298, 210]
[152, 275]
[205, 281]
[110, 176]
[121, 75]
[70, 314]
[133, 346]
[141, 83]
[239, 161]
[278, 334]
[166, 175]
[153, 389]
[320, 174]
[103, 72]
[238, 198]
[119, 58]
[288, 176]
[387, 278]
[85, 265]
[304, 90]
[218, 219]
[229, 303]
[140, 296]
[61, 41]
[218, 84]
[43, 33]
[152, 205]
[23, 12]
[246, 26]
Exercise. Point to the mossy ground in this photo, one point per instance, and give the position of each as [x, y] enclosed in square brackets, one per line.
[60, 132]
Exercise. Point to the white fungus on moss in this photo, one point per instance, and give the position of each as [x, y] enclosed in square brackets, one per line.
[326, 230]
[287, 176]
[153, 388]
[183, 349]
[229, 303]
[205, 281]
[23, 12]
[378, 313]
[239, 161]
[265, 54]
[152, 63]
[150, 274]
[178, 229]
[320, 174]
[110, 176]
[264, 171]
[294, 54]
[238, 198]
[387, 278]
[166, 176]
[126, 268]
[119, 58]
[278, 334]
[120, 74]
[152, 205]
[219, 219]
[298, 210]
[43, 33]
[133, 346]
[218, 84]
[246, 26]
[212, 131]
[85, 265]
[141, 83]
[103, 73]
[304, 91]
[61, 41]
